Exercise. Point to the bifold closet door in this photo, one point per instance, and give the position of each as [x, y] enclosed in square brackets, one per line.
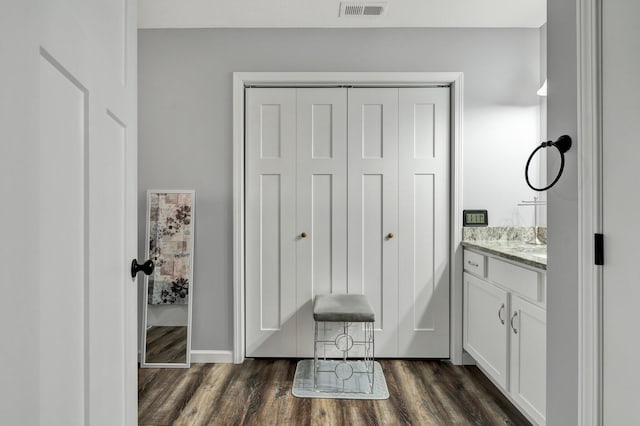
[423, 233]
[321, 202]
[270, 222]
[347, 190]
[373, 208]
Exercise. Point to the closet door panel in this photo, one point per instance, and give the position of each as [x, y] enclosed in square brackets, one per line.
[424, 222]
[321, 202]
[373, 208]
[270, 223]
[372, 250]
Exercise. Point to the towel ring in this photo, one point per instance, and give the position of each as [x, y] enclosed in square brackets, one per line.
[563, 144]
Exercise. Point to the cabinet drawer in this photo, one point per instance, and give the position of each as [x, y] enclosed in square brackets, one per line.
[520, 280]
[474, 263]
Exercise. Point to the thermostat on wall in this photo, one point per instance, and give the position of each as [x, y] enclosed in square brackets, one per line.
[475, 218]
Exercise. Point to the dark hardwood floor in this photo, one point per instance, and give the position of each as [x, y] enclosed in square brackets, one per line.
[167, 344]
[258, 392]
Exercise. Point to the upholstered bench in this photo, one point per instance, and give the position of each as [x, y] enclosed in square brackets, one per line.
[343, 343]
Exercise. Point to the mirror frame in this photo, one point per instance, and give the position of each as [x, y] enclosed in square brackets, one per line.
[143, 362]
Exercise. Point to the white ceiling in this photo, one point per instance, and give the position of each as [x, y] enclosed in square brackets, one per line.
[324, 14]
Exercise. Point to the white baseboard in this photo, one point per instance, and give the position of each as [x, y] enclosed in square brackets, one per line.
[209, 356]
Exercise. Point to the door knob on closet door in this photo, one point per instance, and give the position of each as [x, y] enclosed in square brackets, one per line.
[303, 235]
[390, 235]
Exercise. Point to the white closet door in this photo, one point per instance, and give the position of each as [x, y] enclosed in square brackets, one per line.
[321, 202]
[270, 222]
[424, 223]
[373, 208]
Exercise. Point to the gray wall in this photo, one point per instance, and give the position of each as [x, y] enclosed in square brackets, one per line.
[562, 268]
[185, 122]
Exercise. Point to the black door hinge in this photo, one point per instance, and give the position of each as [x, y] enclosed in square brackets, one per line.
[598, 249]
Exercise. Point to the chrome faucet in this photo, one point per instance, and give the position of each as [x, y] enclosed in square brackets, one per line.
[535, 203]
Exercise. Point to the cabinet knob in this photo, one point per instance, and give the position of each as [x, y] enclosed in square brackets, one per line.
[500, 310]
[390, 235]
[515, 314]
[303, 235]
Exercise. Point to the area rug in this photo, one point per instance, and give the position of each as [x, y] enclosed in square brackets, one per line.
[356, 387]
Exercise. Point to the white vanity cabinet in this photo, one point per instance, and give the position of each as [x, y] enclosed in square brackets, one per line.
[505, 327]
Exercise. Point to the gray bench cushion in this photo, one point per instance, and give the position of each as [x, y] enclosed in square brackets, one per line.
[343, 307]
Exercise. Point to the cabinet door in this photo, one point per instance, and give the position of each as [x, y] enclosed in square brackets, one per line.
[270, 222]
[528, 326]
[485, 332]
[321, 202]
[373, 208]
[423, 233]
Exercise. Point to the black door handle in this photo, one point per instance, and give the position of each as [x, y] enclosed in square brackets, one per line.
[146, 267]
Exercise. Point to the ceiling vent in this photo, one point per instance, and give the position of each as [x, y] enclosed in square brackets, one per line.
[362, 9]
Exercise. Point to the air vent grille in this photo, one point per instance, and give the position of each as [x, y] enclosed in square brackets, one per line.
[353, 10]
[362, 9]
[372, 10]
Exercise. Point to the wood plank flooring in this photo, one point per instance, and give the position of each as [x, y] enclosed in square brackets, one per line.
[258, 392]
[167, 344]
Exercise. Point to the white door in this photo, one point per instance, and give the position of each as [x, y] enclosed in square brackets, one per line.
[271, 233]
[324, 192]
[373, 208]
[87, 212]
[296, 195]
[423, 230]
[321, 203]
[621, 174]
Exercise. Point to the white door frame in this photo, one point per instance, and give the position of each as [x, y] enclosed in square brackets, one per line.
[312, 79]
[589, 81]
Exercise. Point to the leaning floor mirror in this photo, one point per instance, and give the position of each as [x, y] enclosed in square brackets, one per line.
[168, 295]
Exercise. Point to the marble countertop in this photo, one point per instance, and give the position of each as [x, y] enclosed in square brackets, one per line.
[518, 251]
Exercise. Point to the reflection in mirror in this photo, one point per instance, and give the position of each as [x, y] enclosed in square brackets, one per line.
[166, 344]
[167, 304]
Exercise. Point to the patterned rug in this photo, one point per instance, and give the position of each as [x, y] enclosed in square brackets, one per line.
[339, 380]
